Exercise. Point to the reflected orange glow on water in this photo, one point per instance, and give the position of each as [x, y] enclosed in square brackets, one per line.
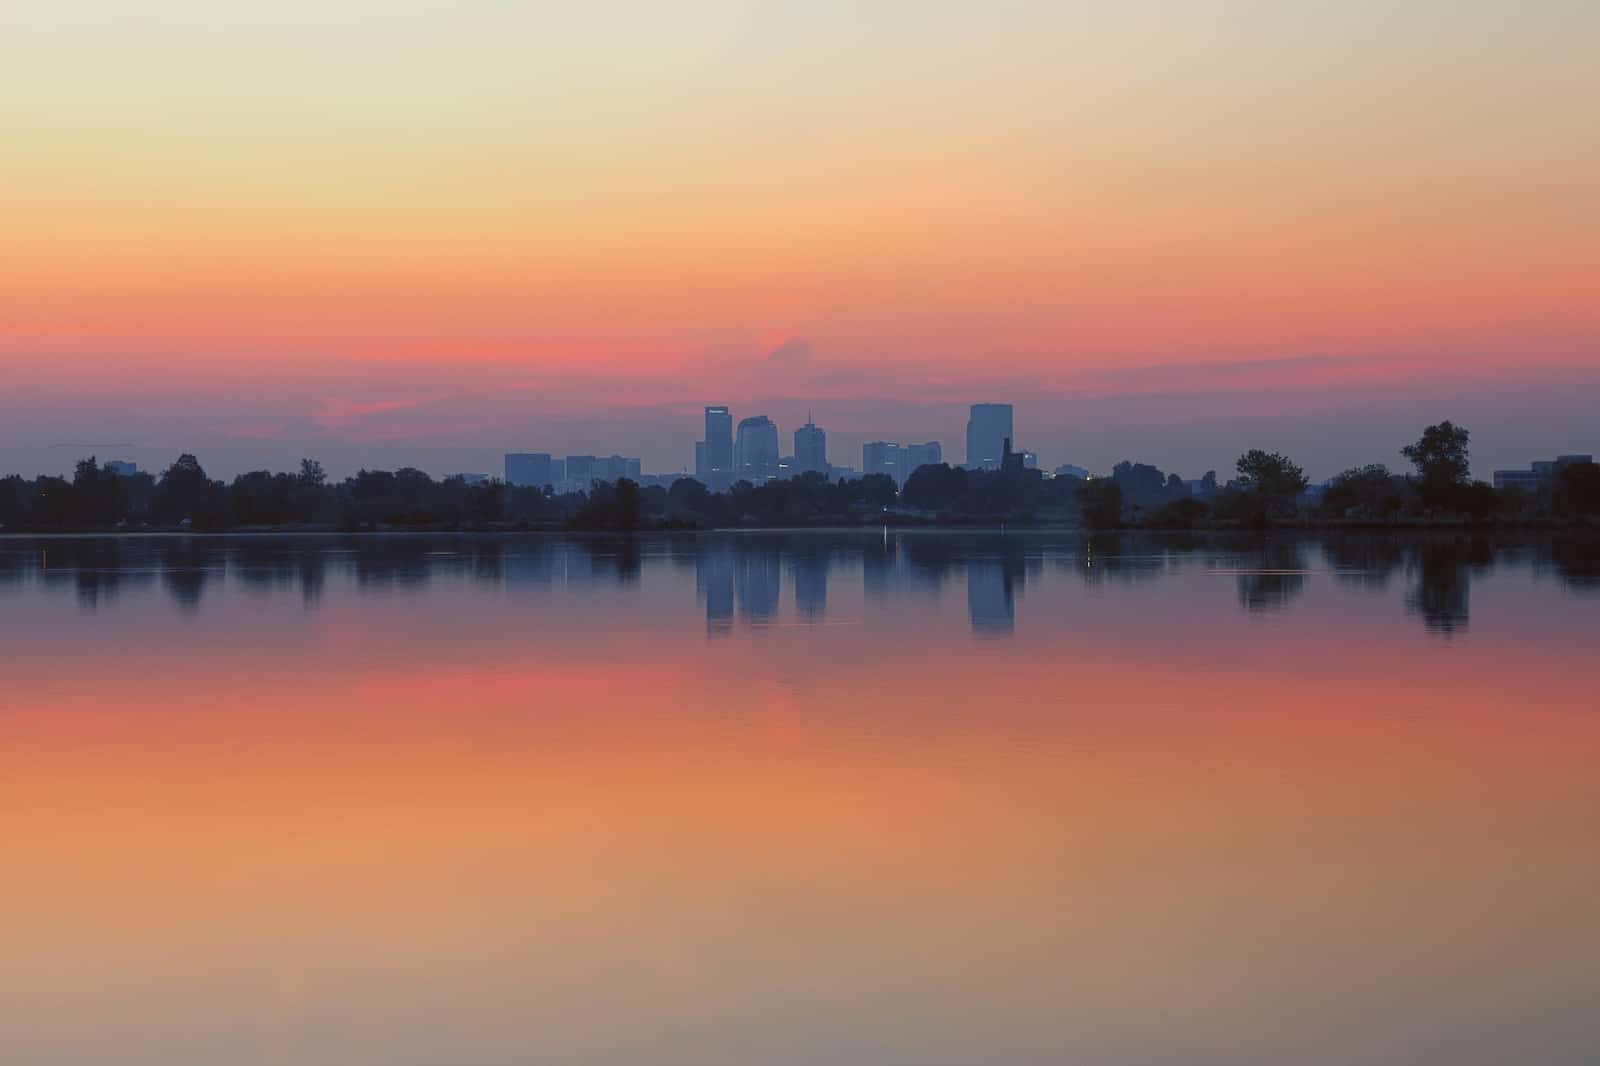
[956, 852]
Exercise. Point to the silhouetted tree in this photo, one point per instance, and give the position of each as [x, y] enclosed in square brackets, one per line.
[1270, 474]
[1143, 486]
[97, 500]
[609, 507]
[1181, 513]
[1577, 489]
[1440, 456]
[1100, 500]
[1370, 489]
[184, 492]
[261, 498]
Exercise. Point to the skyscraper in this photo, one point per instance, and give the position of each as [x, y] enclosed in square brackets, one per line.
[719, 439]
[810, 449]
[882, 457]
[988, 429]
[713, 456]
[580, 472]
[528, 469]
[755, 450]
[919, 455]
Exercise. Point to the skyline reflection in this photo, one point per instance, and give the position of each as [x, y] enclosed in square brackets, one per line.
[741, 576]
[775, 799]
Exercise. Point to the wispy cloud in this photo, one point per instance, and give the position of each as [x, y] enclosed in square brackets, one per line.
[335, 411]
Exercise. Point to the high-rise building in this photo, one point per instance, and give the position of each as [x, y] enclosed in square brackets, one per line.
[713, 456]
[121, 468]
[988, 430]
[810, 449]
[755, 449]
[882, 457]
[614, 468]
[920, 455]
[528, 469]
[580, 472]
[899, 461]
[719, 438]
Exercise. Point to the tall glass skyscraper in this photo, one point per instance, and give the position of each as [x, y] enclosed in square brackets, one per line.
[755, 451]
[988, 429]
[719, 439]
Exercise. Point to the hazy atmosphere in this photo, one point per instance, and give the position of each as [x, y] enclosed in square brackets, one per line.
[427, 233]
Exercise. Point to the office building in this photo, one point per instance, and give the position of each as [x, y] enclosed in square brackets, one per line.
[1540, 474]
[899, 461]
[614, 468]
[989, 427]
[920, 455]
[810, 448]
[714, 458]
[882, 457]
[755, 450]
[580, 472]
[1068, 470]
[120, 468]
[528, 469]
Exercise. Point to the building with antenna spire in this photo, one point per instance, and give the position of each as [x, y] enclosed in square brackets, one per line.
[810, 448]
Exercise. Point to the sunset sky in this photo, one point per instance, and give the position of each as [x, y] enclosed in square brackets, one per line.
[429, 231]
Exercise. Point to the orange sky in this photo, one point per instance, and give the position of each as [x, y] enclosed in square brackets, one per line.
[322, 206]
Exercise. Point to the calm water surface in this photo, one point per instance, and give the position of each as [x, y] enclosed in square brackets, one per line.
[796, 799]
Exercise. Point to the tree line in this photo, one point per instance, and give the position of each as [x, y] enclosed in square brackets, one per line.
[1267, 488]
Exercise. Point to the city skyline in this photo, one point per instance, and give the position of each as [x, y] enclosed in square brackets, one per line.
[426, 235]
[844, 449]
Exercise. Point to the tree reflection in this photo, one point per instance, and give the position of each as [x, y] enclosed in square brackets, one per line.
[1276, 578]
[1441, 595]
[1364, 560]
[185, 569]
[742, 574]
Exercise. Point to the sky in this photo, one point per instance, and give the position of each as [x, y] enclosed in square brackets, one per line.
[419, 232]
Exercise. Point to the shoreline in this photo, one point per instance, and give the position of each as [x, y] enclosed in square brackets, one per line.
[1579, 525]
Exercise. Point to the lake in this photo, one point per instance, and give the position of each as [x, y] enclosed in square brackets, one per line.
[762, 798]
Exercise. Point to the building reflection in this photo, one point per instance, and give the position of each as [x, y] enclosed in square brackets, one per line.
[758, 575]
[993, 584]
[743, 574]
[713, 583]
[810, 568]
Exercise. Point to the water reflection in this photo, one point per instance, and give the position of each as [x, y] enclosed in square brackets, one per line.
[713, 577]
[740, 577]
[993, 584]
[1272, 579]
[943, 798]
[810, 570]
